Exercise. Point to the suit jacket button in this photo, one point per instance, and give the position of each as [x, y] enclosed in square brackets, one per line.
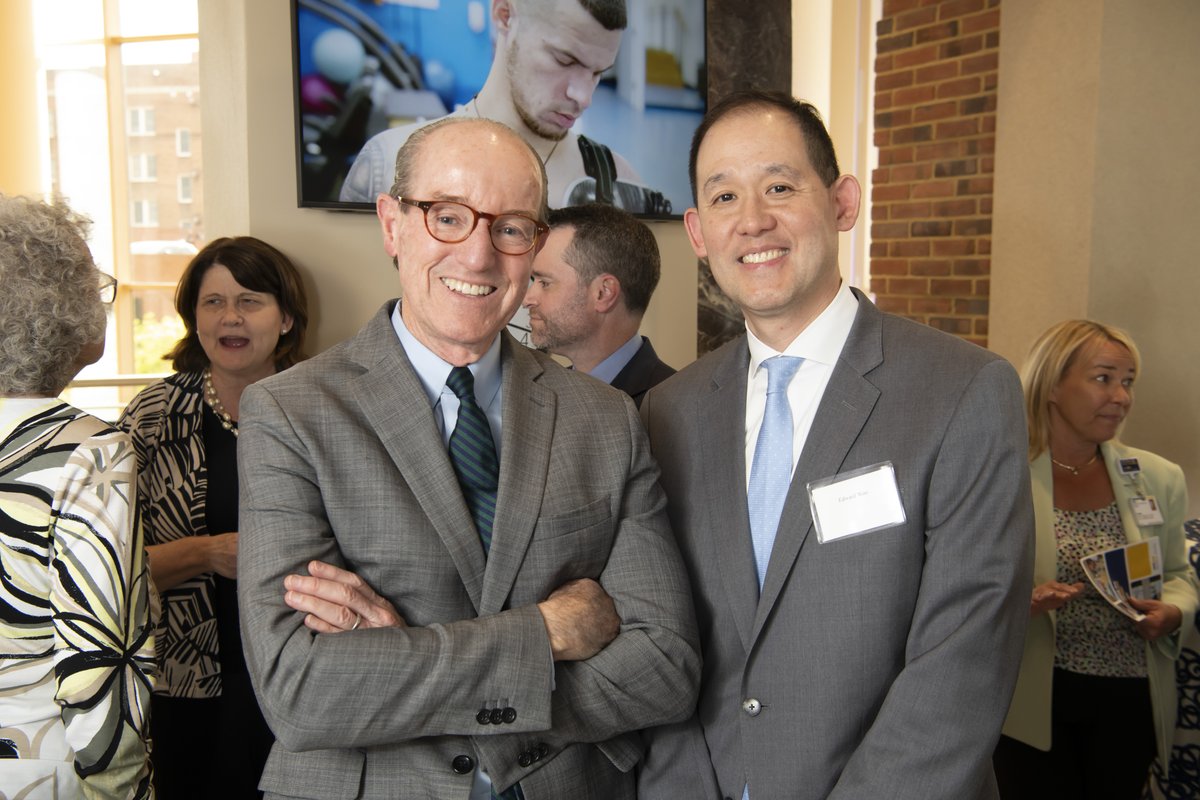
[462, 765]
[510, 715]
[543, 749]
[484, 717]
[525, 759]
[752, 707]
[497, 716]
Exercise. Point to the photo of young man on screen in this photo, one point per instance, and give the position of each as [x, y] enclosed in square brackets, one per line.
[547, 59]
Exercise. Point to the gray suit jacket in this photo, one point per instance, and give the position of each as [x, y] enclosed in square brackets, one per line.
[882, 663]
[341, 459]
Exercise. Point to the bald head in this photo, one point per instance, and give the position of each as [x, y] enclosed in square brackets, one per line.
[414, 151]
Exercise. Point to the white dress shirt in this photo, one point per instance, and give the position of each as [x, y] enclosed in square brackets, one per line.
[820, 345]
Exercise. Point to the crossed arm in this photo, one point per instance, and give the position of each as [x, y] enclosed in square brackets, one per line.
[391, 680]
[580, 616]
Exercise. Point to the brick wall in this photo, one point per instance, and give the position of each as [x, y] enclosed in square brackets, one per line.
[935, 126]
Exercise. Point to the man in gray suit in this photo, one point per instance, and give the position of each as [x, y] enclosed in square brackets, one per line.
[859, 539]
[533, 610]
[591, 285]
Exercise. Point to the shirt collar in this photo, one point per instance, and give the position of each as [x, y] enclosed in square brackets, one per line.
[821, 341]
[433, 371]
[609, 368]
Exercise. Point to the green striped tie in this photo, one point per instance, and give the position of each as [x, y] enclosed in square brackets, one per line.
[473, 454]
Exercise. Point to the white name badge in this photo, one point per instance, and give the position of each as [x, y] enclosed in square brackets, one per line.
[856, 502]
[1146, 511]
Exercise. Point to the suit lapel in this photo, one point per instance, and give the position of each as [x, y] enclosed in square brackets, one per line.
[397, 409]
[634, 377]
[843, 411]
[529, 416]
[723, 448]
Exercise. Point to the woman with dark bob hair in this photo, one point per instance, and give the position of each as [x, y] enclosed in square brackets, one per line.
[76, 650]
[245, 312]
[1095, 698]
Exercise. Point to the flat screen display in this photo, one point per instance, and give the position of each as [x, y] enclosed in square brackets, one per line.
[366, 67]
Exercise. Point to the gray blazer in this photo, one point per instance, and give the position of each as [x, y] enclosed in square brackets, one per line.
[340, 459]
[882, 664]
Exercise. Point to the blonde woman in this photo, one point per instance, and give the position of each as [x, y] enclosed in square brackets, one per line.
[1096, 695]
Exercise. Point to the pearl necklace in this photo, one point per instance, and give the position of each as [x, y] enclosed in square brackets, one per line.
[550, 155]
[214, 402]
[1075, 470]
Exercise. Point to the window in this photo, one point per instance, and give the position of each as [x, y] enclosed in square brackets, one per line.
[143, 168]
[113, 73]
[144, 214]
[141, 122]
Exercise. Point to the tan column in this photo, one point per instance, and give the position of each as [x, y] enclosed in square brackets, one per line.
[20, 156]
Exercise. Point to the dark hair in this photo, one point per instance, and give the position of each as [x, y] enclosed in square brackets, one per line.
[812, 127]
[260, 268]
[609, 240]
[609, 13]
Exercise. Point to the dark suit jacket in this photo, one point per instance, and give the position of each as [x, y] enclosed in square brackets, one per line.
[881, 664]
[643, 371]
[341, 459]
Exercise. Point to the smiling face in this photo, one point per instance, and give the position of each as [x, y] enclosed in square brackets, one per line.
[555, 55]
[457, 297]
[767, 223]
[1090, 402]
[237, 327]
[558, 305]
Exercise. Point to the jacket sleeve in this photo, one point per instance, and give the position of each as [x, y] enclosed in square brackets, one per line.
[941, 718]
[420, 682]
[650, 674]
[103, 643]
[1179, 587]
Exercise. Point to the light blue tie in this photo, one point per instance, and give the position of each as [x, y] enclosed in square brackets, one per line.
[771, 470]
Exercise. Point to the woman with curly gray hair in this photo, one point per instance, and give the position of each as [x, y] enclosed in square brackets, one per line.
[76, 650]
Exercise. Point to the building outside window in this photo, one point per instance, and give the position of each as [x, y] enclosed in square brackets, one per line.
[143, 168]
[144, 214]
[121, 122]
[141, 122]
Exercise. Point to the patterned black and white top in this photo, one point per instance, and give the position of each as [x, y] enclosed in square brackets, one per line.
[166, 422]
[76, 650]
[1093, 638]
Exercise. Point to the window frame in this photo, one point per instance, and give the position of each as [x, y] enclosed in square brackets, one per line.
[142, 114]
[135, 202]
[188, 196]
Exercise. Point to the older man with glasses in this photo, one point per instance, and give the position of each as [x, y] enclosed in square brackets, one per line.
[532, 611]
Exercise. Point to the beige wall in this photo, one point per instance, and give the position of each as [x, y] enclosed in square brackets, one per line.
[1089, 221]
[1095, 194]
[20, 145]
[832, 55]
[250, 166]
